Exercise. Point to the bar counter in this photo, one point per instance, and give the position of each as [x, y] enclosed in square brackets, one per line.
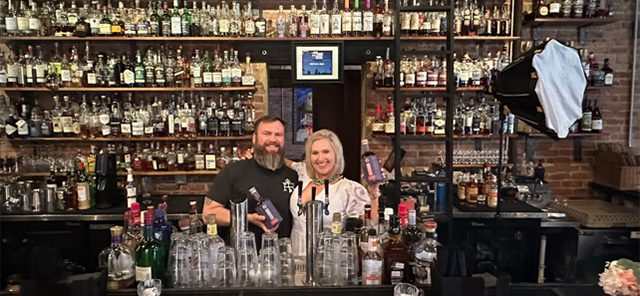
[517, 289]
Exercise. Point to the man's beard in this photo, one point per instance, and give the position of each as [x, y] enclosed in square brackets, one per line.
[264, 158]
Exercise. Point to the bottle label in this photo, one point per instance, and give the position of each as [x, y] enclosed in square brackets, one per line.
[10, 129]
[347, 22]
[554, 7]
[23, 128]
[129, 77]
[77, 129]
[67, 124]
[106, 130]
[371, 272]
[200, 164]
[249, 27]
[137, 128]
[596, 125]
[367, 22]
[608, 79]
[57, 125]
[212, 229]
[65, 75]
[125, 128]
[248, 80]
[23, 23]
[217, 77]
[544, 10]
[40, 73]
[3, 78]
[105, 29]
[314, 22]
[132, 191]
[224, 26]
[82, 191]
[180, 158]
[143, 273]
[210, 161]
[176, 25]
[11, 23]
[357, 21]
[336, 24]
[207, 77]
[325, 24]
[34, 24]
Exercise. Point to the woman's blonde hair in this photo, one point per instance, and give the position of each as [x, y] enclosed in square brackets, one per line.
[337, 150]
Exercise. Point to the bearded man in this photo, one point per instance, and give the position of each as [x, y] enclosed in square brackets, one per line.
[266, 172]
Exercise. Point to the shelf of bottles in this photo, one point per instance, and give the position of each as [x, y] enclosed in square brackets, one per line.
[571, 12]
[429, 73]
[200, 22]
[132, 139]
[423, 118]
[472, 22]
[135, 173]
[129, 89]
[149, 69]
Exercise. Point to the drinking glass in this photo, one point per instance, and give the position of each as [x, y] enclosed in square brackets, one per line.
[270, 267]
[178, 263]
[152, 287]
[269, 240]
[248, 264]
[226, 273]
[346, 272]
[287, 263]
[404, 289]
[324, 259]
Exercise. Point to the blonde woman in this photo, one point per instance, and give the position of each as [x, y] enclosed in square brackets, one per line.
[325, 161]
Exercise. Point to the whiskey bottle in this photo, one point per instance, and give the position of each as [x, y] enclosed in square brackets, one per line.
[325, 20]
[266, 208]
[336, 20]
[608, 73]
[596, 119]
[370, 164]
[372, 262]
[387, 20]
[347, 20]
[587, 116]
[199, 157]
[396, 256]
[358, 19]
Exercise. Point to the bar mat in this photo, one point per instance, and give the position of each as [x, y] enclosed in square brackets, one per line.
[511, 206]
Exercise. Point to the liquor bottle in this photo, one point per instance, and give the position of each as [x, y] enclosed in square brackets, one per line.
[186, 21]
[325, 20]
[372, 262]
[426, 251]
[370, 165]
[578, 9]
[70, 196]
[566, 7]
[347, 20]
[196, 225]
[132, 190]
[358, 19]
[541, 8]
[303, 23]
[396, 256]
[176, 20]
[118, 261]
[83, 188]
[214, 241]
[281, 22]
[261, 26]
[554, 8]
[411, 234]
[11, 21]
[585, 122]
[336, 20]
[608, 73]
[199, 157]
[196, 70]
[596, 119]
[314, 20]
[249, 24]
[210, 158]
[368, 20]
[105, 23]
[165, 21]
[387, 20]
[150, 254]
[439, 123]
[266, 208]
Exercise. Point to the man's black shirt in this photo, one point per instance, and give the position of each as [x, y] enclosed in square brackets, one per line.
[235, 180]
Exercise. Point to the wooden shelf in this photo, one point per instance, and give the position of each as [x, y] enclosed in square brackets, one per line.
[161, 39]
[582, 22]
[130, 89]
[174, 173]
[432, 89]
[439, 138]
[131, 139]
[460, 38]
[478, 165]
[570, 135]
[120, 173]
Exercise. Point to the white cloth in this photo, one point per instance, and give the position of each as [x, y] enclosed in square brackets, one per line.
[345, 196]
[560, 87]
